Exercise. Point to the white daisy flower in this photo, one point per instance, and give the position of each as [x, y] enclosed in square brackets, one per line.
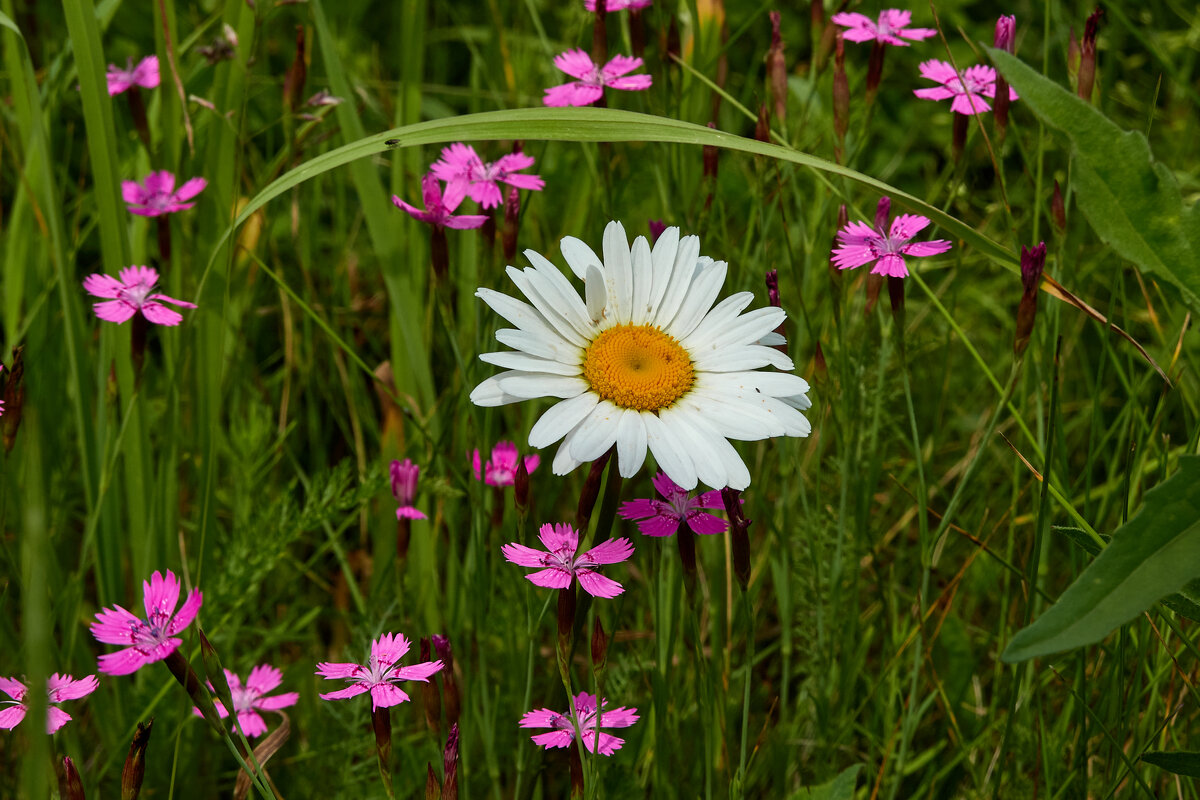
[646, 361]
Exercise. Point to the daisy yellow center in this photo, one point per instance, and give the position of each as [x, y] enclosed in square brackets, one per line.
[638, 366]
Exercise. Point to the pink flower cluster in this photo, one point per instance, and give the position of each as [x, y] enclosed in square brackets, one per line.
[145, 75]
[583, 720]
[133, 292]
[884, 245]
[467, 175]
[380, 674]
[59, 689]
[150, 639]
[501, 468]
[558, 565]
[251, 697]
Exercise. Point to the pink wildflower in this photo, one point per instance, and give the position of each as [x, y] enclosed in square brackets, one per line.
[249, 699]
[560, 565]
[465, 173]
[591, 79]
[891, 28]
[404, 488]
[59, 688]
[439, 213]
[618, 5]
[862, 244]
[151, 639]
[977, 83]
[582, 721]
[501, 468]
[134, 292]
[663, 517]
[145, 74]
[157, 194]
[380, 674]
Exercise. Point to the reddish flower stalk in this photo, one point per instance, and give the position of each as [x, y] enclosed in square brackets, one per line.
[739, 535]
[293, 81]
[14, 398]
[430, 693]
[841, 99]
[773, 299]
[450, 765]
[600, 37]
[1087, 55]
[1005, 39]
[777, 70]
[512, 215]
[762, 126]
[1033, 261]
[450, 694]
[1058, 208]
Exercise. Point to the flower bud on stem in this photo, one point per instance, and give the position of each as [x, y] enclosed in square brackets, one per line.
[439, 253]
[777, 70]
[14, 397]
[381, 723]
[69, 784]
[875, 70]
[637, 32]
[433, 788]
[959, 141]
[450, 694]
[1058, 209]
[841, 99]
[450, 765]
[591, 490]
[566, 629]
[739, 535]
[164, 239]
[137, 109]
[1033, 261]
[512, 215]
[135, 763]
[430, 693]
[1087, 55]
[685, 538]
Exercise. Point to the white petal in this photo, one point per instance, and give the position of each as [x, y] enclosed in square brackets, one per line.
[531, 285]
[772, 384]
[489, 394]
[711, 330]
[794, 423]
[733, 419]
[662, 260]
[554, 348]
[683, 272]
[772, 339]
[528, 385]
[643, 278]
[597, 432]
[519, 313]
[563, 462]
[528, 363]
[700, 298]
[579, 256]
[568, 301]
[631, 443]
[561, 419]
[597, 294]
[752, 326]
[798, 401]
[618, 272]
[738, 359]
[709, 467]
[737, 476]
[669, 451]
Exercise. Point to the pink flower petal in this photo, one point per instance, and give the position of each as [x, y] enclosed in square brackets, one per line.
[631, 83]
[891, 265]
[408, 512]
[113, 625]
[114, 311]
[386, 695]
[190, 189]
[276, 702]
[576, 63]
[936, 70]
[853, 256]
[389, 648]
[464, 222]
[523, 556]
[554, 738]
[597, 585]
[11, 716]
[661, 525]
[160, 314]
[612, 551]
[56, 718]
[13, 688]
[336, 671]
[706, 524]
[145, 74]
[559, 536]
[931, 248]
[161, 182]
[619, 65]
[552, 578]
[344, 694]
[64, 687]
[263, 678]
[906, 226]
[187, 613]
[133, 193]
[252, 724]
[572, 94]
[539, 718]
[99, 285]
[416, 672]
[975, 104]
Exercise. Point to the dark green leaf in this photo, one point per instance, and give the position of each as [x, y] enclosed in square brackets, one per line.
[1180, 762]
[1132, 201]
[840, 788]
[1154, 554]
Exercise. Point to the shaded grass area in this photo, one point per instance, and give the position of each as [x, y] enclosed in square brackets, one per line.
[250, 455]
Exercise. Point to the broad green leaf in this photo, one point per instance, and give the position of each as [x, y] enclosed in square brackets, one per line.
[1185, 602]
[840, 788]
[1154, 554]
[1181, 762]
[1132, 201]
